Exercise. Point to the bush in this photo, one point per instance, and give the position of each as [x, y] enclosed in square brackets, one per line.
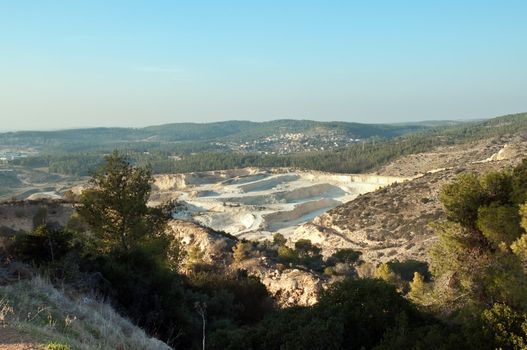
[406, 269]
[287, 255]
[353, 314]
[235, 296]
[42, 245]
[241, 251]
[57, 346]
[279, 239]
[347, 256]
[40, 217]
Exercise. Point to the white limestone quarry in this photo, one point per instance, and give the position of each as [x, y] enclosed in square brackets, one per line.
[254, 203]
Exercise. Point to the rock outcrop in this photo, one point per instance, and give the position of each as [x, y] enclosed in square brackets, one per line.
[288, 287]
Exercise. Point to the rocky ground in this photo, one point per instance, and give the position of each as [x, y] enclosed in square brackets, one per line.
[254, 203]
[396, 222]
[455, 156]
[287, 286]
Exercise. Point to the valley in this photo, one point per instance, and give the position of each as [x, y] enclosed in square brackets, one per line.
[295, 231]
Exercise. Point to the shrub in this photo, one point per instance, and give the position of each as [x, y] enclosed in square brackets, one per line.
[40, 217]
[279, 239]
[41, 245]
[241, 251]
[347, 256]
[287, 255]
[406, 269]
[57, 346]
[146, 291]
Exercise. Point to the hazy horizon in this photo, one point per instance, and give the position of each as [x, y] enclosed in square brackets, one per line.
[253, 121]
[133, 64]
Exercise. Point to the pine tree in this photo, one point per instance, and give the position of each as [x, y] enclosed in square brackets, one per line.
[115, 206]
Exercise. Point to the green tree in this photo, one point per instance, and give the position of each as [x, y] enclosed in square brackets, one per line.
[115, 205]
[519, 247]
[519, 183]
[506, 327]
[499, 223]
[479, 259]
[462, 198]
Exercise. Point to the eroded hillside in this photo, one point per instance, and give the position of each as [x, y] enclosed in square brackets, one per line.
[396, 222]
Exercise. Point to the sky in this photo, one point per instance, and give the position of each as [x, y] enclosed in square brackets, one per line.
[133, 63]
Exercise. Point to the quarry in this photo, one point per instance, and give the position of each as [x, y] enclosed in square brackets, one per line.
[254, 203]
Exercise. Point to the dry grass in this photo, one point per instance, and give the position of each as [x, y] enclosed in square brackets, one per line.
[47, 314]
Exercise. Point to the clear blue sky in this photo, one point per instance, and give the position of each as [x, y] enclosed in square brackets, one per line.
[134, 63]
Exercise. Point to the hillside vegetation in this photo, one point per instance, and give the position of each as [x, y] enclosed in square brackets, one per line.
[77, 152]
[359, 157]
[175, 294]
[167, 150]
[229, 130]
[38, 309]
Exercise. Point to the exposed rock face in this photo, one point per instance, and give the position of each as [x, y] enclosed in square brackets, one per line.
[292, 287]
[171, 182]
[253, 203]
[216, 248]
[289, 287]
[509, 151]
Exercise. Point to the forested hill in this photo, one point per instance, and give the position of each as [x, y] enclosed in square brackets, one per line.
[227, 131]
[310, 145]
[245, 130]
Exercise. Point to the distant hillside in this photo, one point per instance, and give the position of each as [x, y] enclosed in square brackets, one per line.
[357, 157]
[310, 145]
[177, 132]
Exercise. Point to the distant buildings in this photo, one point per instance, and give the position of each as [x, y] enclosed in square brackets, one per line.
[8, 155]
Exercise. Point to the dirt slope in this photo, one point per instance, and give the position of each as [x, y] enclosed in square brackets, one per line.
[395, 222]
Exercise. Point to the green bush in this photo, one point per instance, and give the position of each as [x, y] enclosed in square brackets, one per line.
[347, 255]
[353, 314]
[42, 245]
[57, 346]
